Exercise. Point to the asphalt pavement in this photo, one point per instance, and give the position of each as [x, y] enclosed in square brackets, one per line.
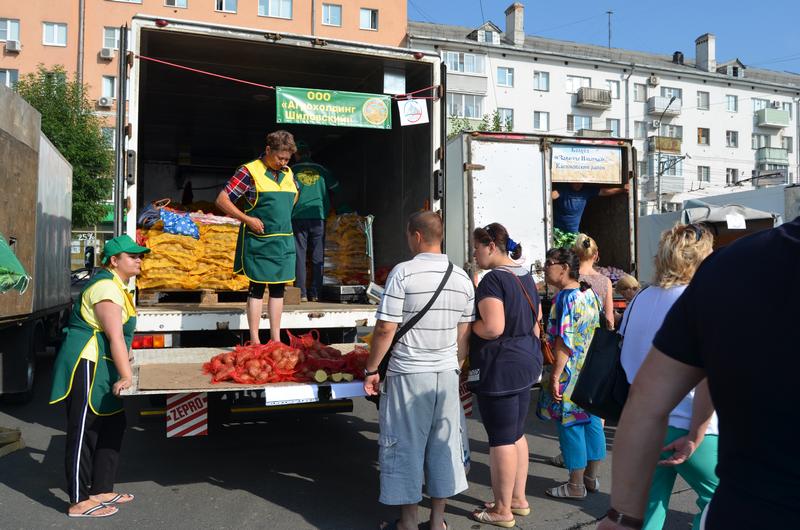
[299, 471]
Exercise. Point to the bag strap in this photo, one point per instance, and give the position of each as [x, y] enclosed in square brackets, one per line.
[524, 291]
[405, 328]
[624, 326]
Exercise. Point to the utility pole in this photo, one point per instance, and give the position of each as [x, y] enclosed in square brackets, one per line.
[660, 171]
[609, 13]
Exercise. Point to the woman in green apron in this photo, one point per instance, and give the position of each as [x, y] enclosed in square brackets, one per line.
[90, 370]
[265, 250]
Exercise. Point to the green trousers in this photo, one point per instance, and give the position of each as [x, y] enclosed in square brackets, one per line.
[698, 472]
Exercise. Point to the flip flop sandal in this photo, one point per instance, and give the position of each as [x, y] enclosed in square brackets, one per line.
[516, 511]
[562, 492]
[120, 498]
[427, 526]
[482, 516]
[91, 512]
[592, 484]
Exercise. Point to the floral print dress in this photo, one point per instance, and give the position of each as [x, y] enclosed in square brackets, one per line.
[574, 316]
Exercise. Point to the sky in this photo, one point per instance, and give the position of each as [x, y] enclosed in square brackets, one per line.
[761, 33]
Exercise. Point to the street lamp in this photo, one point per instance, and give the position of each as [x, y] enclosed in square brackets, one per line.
[660, 171]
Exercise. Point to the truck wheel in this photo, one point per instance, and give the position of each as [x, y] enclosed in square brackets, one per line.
[37, 345]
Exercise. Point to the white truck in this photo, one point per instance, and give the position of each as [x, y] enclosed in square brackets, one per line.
[35, 219]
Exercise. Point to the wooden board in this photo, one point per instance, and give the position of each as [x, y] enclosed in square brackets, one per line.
[204, 297]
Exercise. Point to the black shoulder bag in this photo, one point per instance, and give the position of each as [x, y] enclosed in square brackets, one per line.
[602, 386]
[405, 328]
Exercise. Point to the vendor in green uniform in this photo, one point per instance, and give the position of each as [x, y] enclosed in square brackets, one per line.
[90, 370]
[265, 250]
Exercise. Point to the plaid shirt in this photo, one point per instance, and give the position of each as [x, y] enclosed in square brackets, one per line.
[241, 183]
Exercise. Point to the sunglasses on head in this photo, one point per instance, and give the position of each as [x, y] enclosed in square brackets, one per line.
[698, 231]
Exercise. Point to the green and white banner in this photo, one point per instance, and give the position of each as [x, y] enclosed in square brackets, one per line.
[312, 106]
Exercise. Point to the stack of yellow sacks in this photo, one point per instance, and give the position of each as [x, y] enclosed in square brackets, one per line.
[346, 259]
[182, 262]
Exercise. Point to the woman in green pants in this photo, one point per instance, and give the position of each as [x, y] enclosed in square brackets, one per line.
[691, 443]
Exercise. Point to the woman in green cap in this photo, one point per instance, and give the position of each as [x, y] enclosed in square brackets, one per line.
[90, 371]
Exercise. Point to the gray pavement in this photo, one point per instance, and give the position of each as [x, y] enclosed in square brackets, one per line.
[295, 472]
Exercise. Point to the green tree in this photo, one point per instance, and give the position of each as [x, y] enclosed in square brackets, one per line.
[489, 123]
[70, 123]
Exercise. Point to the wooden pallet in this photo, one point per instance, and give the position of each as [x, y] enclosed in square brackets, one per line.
[10, 441]
[154, 297]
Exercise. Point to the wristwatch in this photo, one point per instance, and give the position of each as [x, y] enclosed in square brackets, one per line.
[367, 373]
[624, 520]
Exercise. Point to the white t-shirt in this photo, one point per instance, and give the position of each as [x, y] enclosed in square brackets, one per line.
[639, 327]
[430, 346]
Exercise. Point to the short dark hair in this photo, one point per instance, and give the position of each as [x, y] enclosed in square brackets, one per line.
[568, 257]
[281, 141]
[497, 234]
[428, 224]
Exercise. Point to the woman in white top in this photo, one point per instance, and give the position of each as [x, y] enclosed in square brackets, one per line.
[680, 251]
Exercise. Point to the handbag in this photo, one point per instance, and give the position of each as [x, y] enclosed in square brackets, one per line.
[547, 351]
[405, 328]
[602, 386]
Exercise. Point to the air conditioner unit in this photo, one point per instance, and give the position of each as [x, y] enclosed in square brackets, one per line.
[104, 102]
[107, 53]
[655, 124]
[13, 46]
[776, 104]
[653, 80]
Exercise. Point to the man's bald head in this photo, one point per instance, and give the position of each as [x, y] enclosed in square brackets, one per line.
[429, 226]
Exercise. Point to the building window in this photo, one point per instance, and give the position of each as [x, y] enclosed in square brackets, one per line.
[331, 14]
[110, 136]
[487, 36]
[732, 138]
[109, 86]
[575, 82]
[668, 92]
[672, 131]
[468, 63]
[671, 165]
[9, 29]
[702, 100]
[613, 126]
[759, 103]
[732, 103]
[613, 87]
[703, 136]
[369, 19]
[786, 143]
[9, 78]
[505, 76]
[227, 6]
[541, 120]
[465, 105]
[760, 140]
[54, 34]
[788, 108]
[506, 119]
[639, 130]
[541, 81]
[275, 8]
[731, 176]
[642, 164]
[704, 173]
[576, 123]
[176, 3]
[639, 92]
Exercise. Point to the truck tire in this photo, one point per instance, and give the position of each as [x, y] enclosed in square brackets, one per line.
[36, 345]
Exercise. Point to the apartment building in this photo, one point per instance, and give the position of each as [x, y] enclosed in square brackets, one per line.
[84, 35]
[705, 124]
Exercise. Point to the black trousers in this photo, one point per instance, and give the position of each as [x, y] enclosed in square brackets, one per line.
[309, 233]
[93, 442]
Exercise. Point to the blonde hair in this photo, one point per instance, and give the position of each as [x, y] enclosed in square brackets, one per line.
[680, 251]
[585, 247]
[626, 282]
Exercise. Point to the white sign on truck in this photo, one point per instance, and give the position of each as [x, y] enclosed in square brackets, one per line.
[587, 164]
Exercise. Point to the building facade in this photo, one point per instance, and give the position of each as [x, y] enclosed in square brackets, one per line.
[697, 125]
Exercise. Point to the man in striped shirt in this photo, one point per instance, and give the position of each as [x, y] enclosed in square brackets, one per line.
[420, 410]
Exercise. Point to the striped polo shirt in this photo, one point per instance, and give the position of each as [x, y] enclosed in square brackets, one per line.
[430, 346]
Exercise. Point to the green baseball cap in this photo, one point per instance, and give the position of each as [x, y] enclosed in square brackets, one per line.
[121, 244]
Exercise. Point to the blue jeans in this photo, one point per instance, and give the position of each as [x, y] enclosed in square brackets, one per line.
[582, 443]
[309, 233]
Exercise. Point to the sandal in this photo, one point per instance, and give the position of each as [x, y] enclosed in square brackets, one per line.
[592, 484]
[91, 512]
[516, 511]
[427, 526]
[562, 491]
[482, 516]
[557, 460]
[119, 498]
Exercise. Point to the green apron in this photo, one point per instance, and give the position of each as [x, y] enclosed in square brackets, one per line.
[102, 400]
[268, 257]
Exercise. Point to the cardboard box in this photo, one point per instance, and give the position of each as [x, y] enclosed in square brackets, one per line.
[291, 296]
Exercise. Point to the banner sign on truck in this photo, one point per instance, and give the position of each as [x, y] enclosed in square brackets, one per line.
[587, 164]
[312, 106]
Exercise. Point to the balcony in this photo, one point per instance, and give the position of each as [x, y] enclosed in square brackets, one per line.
[656, 105]
[593, 98]
[595, 133]
[663, 144]
[669, 184]
[772, 118]
[772, 155]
